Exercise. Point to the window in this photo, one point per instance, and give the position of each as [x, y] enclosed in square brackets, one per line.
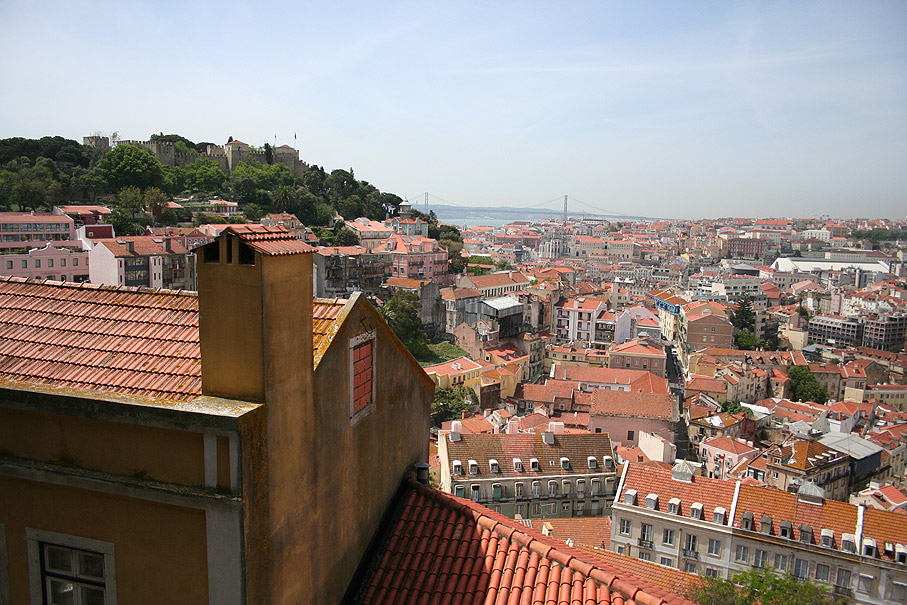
[746, 521]
[786, 529]
[674, 506]
[458, 491]
[50, 263]
[714, 547]
[580, 488]
[842, 579]
[25, 264]
[667, 562]
[474, 493]
[62, 262]
[822, 572]
[37, 263]
[741, 554]
[518, 490]
[565, 486]
[593, 463]
[519, 509]
[625, 526]
[552, 489]
[652, 501]
[533, 464]
[473, 467]
[630, 496]
[645, 532]
[690, 542]
[457, 467]
[517, 465]
[630, 435]
[781, 562]
[765, 525]
[596, 487]
[363, 385]
[580, 509]
[645, 556]
[711, 572]
[864, 584]
[696, 511]
[536, 489]
[9, 264]
[493, 465]
[565, 507]
[718, 516]
[801, 568]
[69, 569]
[689, 567]
[565, 463]
[667, 537]
[496, 492]
[897, 592]
[759, 561]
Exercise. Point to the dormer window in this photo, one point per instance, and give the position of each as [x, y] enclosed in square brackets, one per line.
[806, 534]
[457, 467]
[765, 526]
[828, 538]
[493, 465]
[900, 554]
[630, 496]
[534, 464]
[848, 543]
[869, 547]
[473, 467]
[565, 463]
[674, 506]
[593, 463]
[787, 530]
[746, 521]
[609, 462]
[652, 501]
[719, 515]
[517, 465]
[696, 510]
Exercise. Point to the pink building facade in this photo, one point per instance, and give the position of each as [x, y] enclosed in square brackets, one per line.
[23, 230]
[50, 262]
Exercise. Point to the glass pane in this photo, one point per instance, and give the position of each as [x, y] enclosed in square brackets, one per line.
[92, 595]
[61, 592]
[91, 565]
[58, 559]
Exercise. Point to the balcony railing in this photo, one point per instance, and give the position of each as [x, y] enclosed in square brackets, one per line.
[689, 554]
[843, 591]
[645, 543]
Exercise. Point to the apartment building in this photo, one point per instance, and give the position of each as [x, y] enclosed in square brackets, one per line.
[52, 261]
[840, 331]
[575, 319]
[142, 260]
[23, 230]
[639, 354]
[717, 528]
[531, 475]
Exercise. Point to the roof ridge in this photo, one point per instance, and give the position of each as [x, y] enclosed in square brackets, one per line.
[544, 546]
[100, 287]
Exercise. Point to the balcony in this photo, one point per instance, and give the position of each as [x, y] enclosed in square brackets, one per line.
[689, 554]
[843, 591]
[645, 544]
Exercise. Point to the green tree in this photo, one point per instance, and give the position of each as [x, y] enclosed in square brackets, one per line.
[131, 166]
[155, 200]
[743, 317]
[269, 154]
[204, 175]
[130, 199]
[762, 587]
[450, 403]
[503, 265]
[401, 312]
[253, 212]
[805, 387]
[745, 340]
[346, 237]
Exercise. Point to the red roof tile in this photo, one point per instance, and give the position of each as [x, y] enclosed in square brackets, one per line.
[444, 549]
[272, 241]
[626, 403]
[137, 341]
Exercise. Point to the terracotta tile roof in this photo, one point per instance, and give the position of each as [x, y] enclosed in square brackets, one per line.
[272, 241]
[443, 549]
[142, 245]
[709, 385]
[325, 312]
[405, 282]
[650, 479]
[636, 379]
[137, 341]
[667, 578]
[626, 403]
[505, 447]
[840, 517]
[590, 531]
[458, 293]
[493, 280]
[117, 339]
[728, 445]
[549, 391]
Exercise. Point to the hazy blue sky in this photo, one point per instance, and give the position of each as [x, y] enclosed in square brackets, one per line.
[676, 109]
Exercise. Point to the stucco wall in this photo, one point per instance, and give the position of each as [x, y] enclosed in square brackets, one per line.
[151, 540]
[358, 467]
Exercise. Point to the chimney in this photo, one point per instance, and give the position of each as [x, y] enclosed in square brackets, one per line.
[456, 426]
[421, 469]
[513, 427]
[548, 438]
[556, 427]
[130, 246]
[464, 414]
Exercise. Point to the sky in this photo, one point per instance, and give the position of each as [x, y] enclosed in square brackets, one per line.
[665, 109]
